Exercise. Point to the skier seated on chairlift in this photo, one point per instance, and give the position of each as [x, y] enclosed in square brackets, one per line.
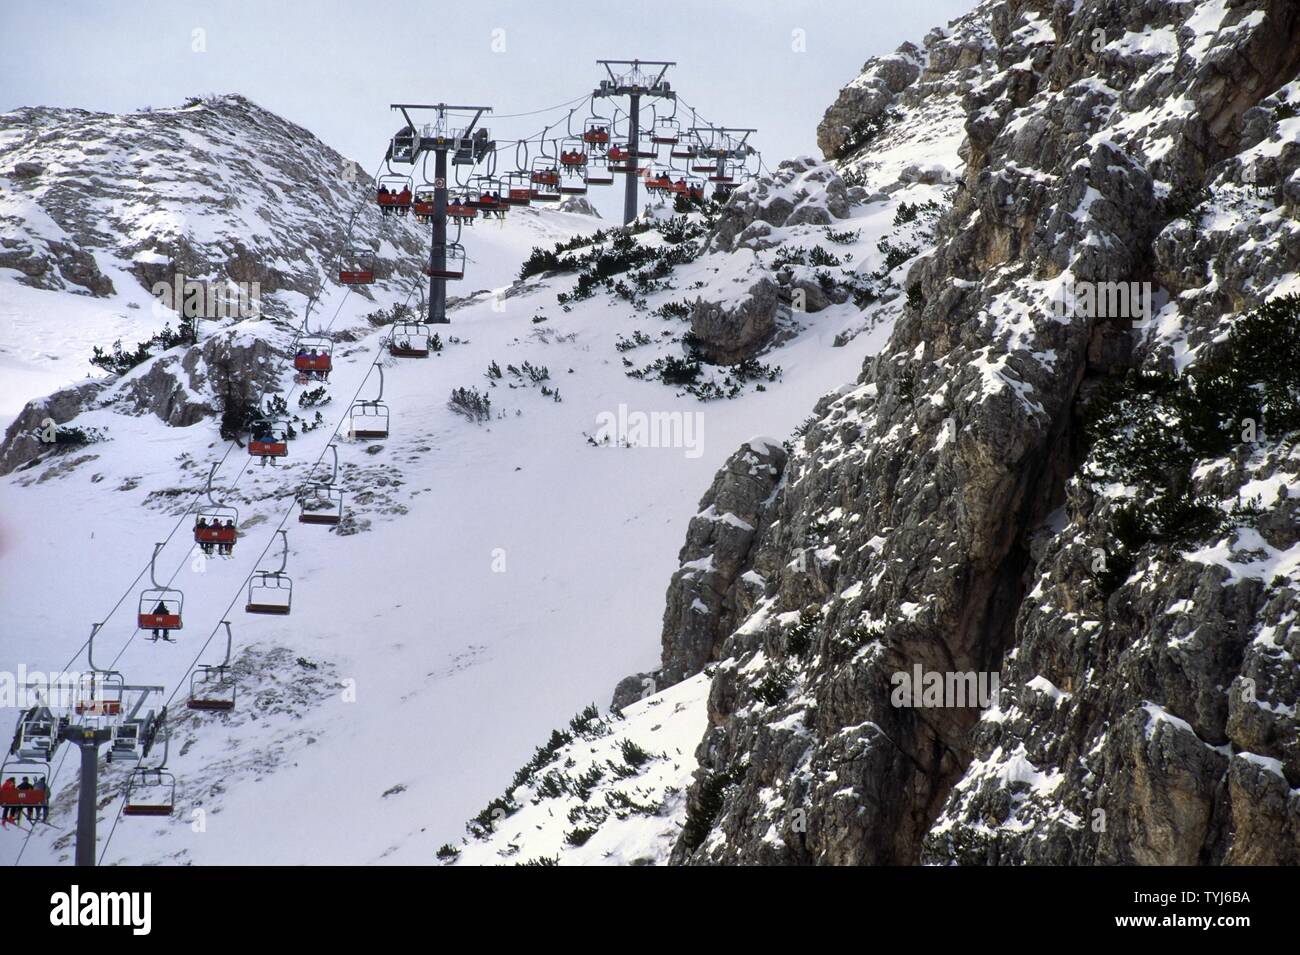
[203, 525]
[9, 790]
[384, 194]
[160, 634]
[227, 549]
[42, 809]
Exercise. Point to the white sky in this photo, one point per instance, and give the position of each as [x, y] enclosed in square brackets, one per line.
[334, 66]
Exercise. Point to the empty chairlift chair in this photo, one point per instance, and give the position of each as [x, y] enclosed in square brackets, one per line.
[150, 792]
[447, 261]
[666, 131]
[518, 191]
[599, 172]
[36, 736]
[212, 685]
[321, 502]
[368, 419]
[100, 694]
[271, 591]
[357, 267]
[409, 340]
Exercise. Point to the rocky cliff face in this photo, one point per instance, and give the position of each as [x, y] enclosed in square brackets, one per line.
[962, 509]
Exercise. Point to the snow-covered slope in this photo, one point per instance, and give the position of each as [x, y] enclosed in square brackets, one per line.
[101, 206]
[492, 578]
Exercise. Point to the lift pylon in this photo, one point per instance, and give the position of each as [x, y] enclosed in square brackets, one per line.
[634, 79]
[467, 146]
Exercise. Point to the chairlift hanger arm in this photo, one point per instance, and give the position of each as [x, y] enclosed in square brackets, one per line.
[144, 695]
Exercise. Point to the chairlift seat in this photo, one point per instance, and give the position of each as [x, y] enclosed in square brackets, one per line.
[268, 449]
[23, 797]
[321, 363]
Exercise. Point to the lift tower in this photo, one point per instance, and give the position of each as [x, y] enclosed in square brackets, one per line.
[627, 78]
[467, 147]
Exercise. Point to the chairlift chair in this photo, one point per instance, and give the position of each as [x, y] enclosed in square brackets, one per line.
[357, 266]
[100, 693]
[36, 736]
[369, 418]
[212, 688]
[409, 340]
[599, 172]
[423, 205]
[666, 131]
[270, 439]
[215, 523]
[545, 178]
[321, 502]
[212, 685]
[314, 355]
[461, 209]
[704, 163]
[646, 148]
[684, 150]
[619, 159]
[160, 607]
[25, 773]
[573, 155]
[369, 421]
[492, 199]
[129, 737]
[447, 262]
[150, 792]
[574, 187]
[518, 192]
[595, 131]
[393, 193]
[271, 591]
[402, 147]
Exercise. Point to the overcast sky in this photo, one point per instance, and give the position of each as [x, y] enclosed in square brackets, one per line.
[334, 66]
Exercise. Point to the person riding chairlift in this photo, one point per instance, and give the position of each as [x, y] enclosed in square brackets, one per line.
[9, 792]
[227, 548]
[160, 634]
[203, 525]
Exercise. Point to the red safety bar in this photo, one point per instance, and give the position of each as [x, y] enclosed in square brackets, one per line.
[23, 797]
[214, 535]
[308, 363]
